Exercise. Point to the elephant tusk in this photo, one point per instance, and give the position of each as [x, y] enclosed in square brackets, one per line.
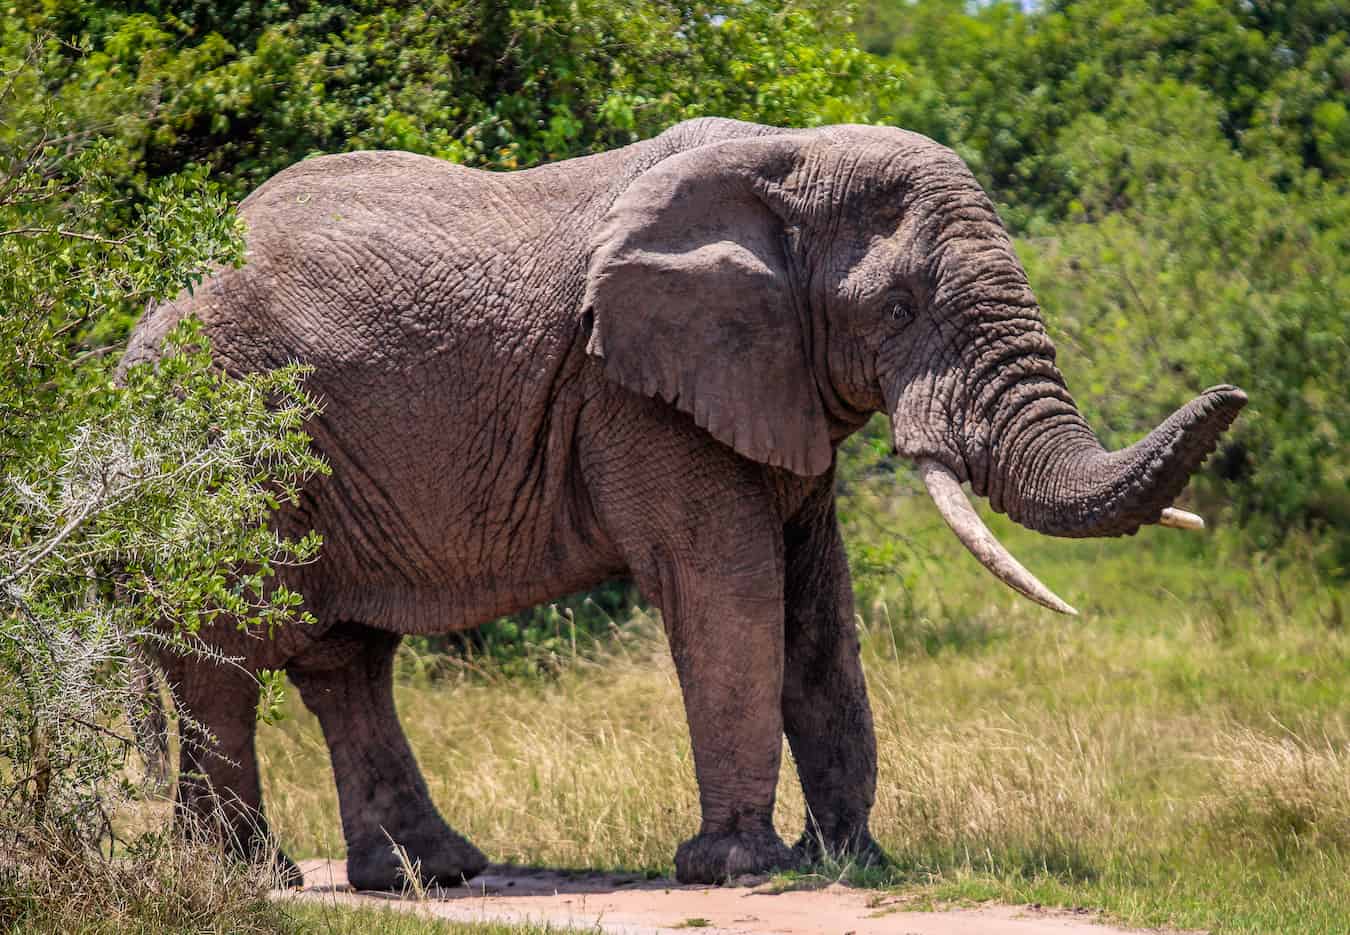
[956, 510]
[1180, 519]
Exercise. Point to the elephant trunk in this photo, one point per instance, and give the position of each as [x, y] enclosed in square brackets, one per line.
[1053, 476]
[1049, 473]
[1017, 435]
[1023, 441]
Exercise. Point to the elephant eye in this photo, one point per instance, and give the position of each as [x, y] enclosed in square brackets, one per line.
[901, 310]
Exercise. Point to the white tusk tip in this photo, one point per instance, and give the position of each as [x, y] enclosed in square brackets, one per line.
[1052, 601]
[1067, 610]
[1180, 519]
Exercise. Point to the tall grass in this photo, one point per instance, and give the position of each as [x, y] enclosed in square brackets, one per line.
[163, 884]
[1285, 795]
[1181, 753]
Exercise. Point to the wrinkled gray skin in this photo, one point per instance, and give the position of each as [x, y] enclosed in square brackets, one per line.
[638, 363]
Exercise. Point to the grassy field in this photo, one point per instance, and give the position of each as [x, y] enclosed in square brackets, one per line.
[1179, 754]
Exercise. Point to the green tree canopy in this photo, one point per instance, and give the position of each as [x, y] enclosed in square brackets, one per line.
[133, 509]
[247, 89]
[1003, 84]
[1178, 173]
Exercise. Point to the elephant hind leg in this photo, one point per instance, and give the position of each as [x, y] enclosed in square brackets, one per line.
[219, 794]
[347, 681]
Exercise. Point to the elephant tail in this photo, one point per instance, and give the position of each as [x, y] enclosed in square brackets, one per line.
[149, 722]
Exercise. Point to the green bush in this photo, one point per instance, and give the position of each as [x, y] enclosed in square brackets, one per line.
[133, 510]
[1177, 176]
[1185, 264]
[1004, 84]
[249, 89]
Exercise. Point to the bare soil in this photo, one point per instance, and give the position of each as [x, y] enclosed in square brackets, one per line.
[627, 904]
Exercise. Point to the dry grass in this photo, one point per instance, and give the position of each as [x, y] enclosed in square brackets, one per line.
[593, 770]
[163, 884]
[989, 790]
[1284, 794]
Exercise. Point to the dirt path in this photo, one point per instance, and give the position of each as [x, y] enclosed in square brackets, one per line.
[631, 905]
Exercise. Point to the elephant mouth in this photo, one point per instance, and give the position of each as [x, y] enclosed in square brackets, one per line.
[945, 489]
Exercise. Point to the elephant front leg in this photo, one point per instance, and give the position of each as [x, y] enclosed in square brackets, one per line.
[725, 634]
[701, 532]
[826, 714]
[347, 681]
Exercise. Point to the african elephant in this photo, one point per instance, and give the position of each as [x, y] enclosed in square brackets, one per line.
[640, 363]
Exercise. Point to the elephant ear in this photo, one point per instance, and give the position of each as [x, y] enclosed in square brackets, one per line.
[689, 299]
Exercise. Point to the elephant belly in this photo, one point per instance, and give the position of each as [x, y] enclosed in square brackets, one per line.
[433, 523]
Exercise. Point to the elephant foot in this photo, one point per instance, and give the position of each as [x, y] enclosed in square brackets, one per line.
[716, 858]
[440, 857]
[286, 874]
[859, 849]
[258, 849]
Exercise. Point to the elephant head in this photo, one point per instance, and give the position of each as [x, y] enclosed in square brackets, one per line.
[782, 288]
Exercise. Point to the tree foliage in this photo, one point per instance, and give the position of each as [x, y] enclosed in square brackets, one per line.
[247, 89]
[1186, 264]
[133, 510]
[1178, 174]
[1004, 85]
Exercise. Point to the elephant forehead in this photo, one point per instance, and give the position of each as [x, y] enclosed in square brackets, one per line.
[875, 162]
[870, 265]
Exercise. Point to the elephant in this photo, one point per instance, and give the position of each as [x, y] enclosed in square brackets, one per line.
[639, 363]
